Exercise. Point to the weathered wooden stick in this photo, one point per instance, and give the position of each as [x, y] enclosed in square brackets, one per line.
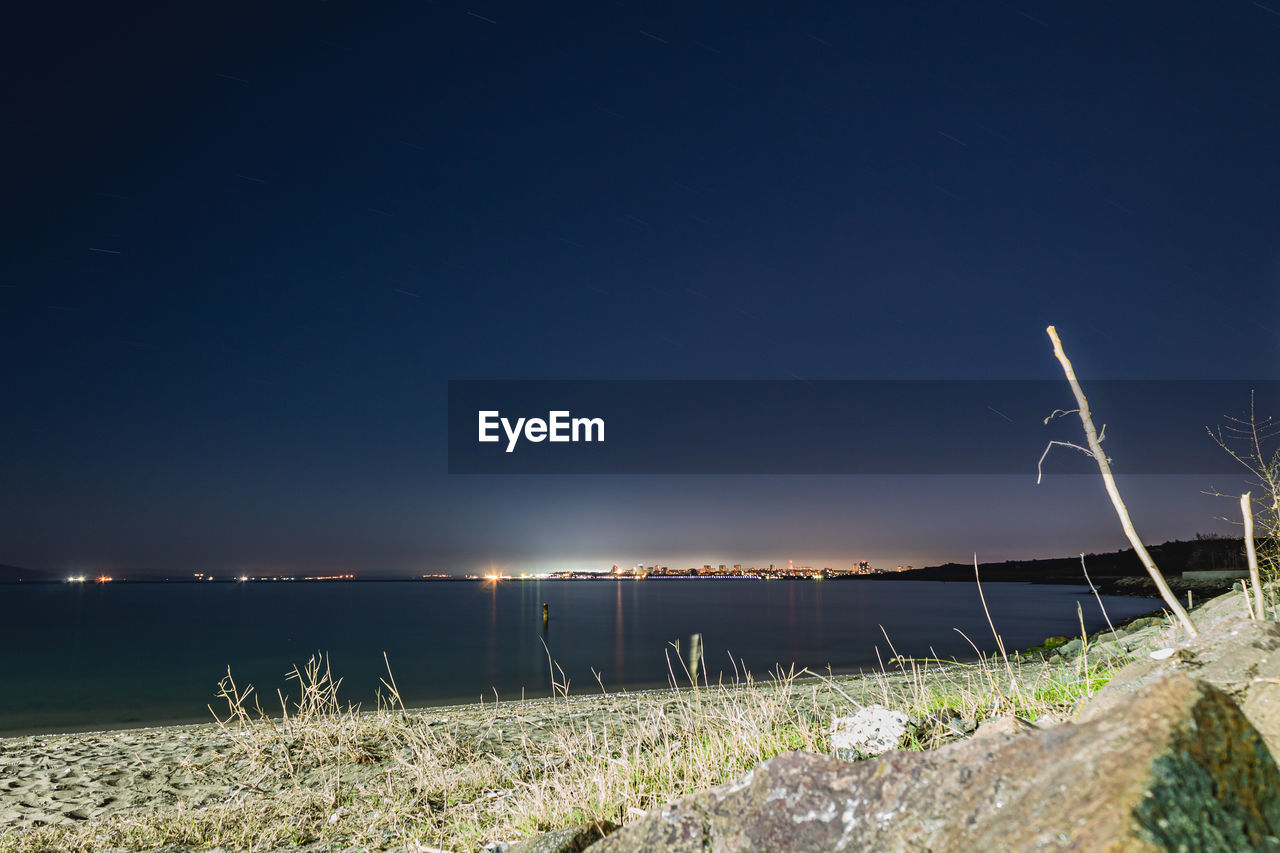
[1095, 447]
[1249, 548]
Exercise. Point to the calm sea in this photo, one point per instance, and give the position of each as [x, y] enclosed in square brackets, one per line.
[100, 656]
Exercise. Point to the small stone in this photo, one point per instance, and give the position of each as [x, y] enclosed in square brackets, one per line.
[573, 839]
[1004, 727]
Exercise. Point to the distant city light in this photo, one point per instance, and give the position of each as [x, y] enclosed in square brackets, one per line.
[723, 570]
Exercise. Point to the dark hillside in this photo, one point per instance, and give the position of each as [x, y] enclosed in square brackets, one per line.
[1173, 558]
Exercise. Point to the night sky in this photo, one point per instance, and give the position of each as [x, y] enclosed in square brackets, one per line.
[247, 245]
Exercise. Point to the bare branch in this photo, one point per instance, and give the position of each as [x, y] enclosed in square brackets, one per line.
[1109, 481]
[1247, 513]
[1244, 440]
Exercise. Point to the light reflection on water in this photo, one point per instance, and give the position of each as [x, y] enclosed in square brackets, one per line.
[92, 656]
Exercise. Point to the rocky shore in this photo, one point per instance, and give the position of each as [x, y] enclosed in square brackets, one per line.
[1177, 753]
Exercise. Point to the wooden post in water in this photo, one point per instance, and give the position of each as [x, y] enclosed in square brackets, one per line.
[695, 656]
[546, 614]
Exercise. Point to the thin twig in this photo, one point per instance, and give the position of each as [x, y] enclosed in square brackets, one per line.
[1048, 447]
[1098, 597]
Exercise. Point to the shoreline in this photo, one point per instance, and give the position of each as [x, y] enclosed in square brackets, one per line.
[62, 704]
[84, 722]
[139, 788]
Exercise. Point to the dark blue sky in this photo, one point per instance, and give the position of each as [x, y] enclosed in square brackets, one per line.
[247, 245]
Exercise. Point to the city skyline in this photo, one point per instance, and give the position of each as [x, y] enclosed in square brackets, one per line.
[1035, 547]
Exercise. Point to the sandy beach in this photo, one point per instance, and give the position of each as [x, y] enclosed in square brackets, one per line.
[70, 778]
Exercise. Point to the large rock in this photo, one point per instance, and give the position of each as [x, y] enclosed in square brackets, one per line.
[1178, 768]
[1237, 655]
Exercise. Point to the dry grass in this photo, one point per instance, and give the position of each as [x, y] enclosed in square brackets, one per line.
[948, 700]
